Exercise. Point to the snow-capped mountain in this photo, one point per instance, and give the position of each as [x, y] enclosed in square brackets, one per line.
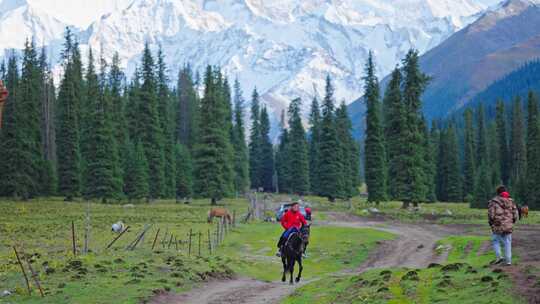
[285, 48]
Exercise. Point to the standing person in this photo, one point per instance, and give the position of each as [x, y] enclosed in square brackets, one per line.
[291, 221]
[502, 214]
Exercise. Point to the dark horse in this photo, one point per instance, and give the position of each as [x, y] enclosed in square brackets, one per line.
[292, 252]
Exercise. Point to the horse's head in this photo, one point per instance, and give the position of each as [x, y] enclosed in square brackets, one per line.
[304, 232]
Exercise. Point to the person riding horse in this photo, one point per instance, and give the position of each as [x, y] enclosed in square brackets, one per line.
[292, 221]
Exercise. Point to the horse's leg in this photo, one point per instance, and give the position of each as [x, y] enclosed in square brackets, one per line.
[283, 260]
[291, 269]
[300, 268]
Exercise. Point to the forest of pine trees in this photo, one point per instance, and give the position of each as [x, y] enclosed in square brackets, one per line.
[458, 159]
[104, 137]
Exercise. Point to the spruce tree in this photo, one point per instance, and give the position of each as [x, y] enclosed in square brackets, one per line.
[188, 108]
[166, 118]
[453, 188]
[298, 150]
[266, 173]
[533, 151]
[9, 131]
[435, 142]
[213, 175]
[241, 162]
[255, 142]
[394, 133]
[136, 181]
[518, 152]
[414, 85]
[493, 154]
[68, 115]
[329, 176]
[375, 170]
[349, 154]
[184, 172]
[149, 127]
[481, 148]
[314, 142]
[469, 166]
[483, 187]
[430, 163]
[89, 108]
[502, 142]
[283, 160]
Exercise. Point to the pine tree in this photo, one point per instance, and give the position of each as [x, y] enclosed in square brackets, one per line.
[329, 161]
[68, 115]
[453, 188]
[136, 181]
[9, 131]
[518, 152]
[435, 142]
[502, 143]
[224, 97]
[469, 166]
[481, 148]
[298, 150]
[493, 155]
[188, 108]
[375, 171]
[184, 173]
[283, 160]
[149, 126]
[429, 163]
[533, 151]
[255, 142]
[314, 143]
[394, 133]
[483, 188]
[414, 85]
[213, 175]
[241, 162]
[166, 118]
[266, 173]
[349, 154]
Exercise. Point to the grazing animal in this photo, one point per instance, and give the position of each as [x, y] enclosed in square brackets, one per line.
[118, 227]
[219, 212]
[292, 252]
[524, 211]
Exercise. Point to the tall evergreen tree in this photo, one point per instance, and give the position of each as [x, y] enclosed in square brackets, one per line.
[149, 131]
[298, 150]
[166, 118]
[188, 108]
[429, 163]
[184, 172]
[349, 154]
[394, 133]
[481, 148]
[68, 115]
[329, 159]
[502, 142]
[136, 181]
[213, 175]
[88, 114]
[314, 143]
[255, 142]
[266, 173]
[469, 166]
[414, 85]
[241, 162]
[375, 171]
[434, 146]
[518, 151]
[9, 136]
[283, 160]
[533, 151]
[452, 167]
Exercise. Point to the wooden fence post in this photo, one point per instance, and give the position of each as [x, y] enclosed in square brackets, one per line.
[189, 246]
[116, 238]
[73, 237]
[209, 243]
[155, 239]
[35, 277]
[200, 234]
[23, 271]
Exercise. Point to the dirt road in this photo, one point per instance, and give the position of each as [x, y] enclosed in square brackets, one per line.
[413, 247]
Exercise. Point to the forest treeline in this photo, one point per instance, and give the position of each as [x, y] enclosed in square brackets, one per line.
[100, 136]
[454, 160]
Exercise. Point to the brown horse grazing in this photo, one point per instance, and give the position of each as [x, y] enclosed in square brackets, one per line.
[524, 211]
[219, 212]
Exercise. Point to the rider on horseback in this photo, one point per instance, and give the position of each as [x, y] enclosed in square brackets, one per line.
[291, 221]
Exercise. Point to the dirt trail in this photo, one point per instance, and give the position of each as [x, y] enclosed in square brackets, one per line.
[413, 247]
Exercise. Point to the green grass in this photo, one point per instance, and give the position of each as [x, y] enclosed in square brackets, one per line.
[252, 250]
[42, 230]
[460, 213]
[469, 282]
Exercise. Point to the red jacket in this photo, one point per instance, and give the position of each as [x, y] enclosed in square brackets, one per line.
[293, 219]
